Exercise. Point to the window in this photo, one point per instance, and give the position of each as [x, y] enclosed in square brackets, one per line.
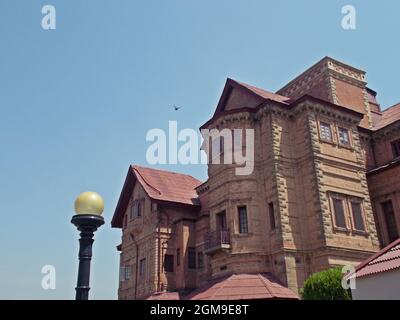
[238, 139]
[325, 129]
[134, 210]
[191, 258]
[243, 226]
[344, 138]
[142, 267]
[125, 273]
[390, 220]
[338, 209]
[216, 147]
[178, 257]
[200, 260]
[139, 209]
[396, 148]
[169, 263]
[221, 220]
[358, 220]
[271, 215]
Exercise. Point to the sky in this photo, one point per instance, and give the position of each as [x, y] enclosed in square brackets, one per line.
[76, 103]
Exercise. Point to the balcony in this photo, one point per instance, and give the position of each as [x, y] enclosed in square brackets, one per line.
[217, 240]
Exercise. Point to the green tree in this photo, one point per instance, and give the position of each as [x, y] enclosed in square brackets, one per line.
[325, 285]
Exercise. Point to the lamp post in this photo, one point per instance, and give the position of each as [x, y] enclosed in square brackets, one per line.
[88, 208]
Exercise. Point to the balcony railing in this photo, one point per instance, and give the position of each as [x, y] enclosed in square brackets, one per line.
[216, 240]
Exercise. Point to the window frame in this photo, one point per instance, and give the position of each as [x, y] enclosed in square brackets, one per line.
[338, 196]
[395, 148]
[329, 124]
[133, 211]
[125, 273]
[139, 208]
[136, 209]
[344, 145]
[191, 257]
[358, 201]
[246, 224]
[385, 219]
[168, 267]
[142, 267]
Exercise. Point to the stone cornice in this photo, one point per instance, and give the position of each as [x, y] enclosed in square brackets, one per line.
[328, 67]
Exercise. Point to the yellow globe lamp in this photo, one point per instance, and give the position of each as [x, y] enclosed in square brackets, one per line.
[89, 203]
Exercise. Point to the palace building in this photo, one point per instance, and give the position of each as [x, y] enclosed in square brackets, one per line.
[324, 192]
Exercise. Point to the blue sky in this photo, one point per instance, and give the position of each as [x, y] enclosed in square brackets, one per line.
[76, 103]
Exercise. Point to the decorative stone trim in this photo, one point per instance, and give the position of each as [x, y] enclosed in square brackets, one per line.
[321, 205]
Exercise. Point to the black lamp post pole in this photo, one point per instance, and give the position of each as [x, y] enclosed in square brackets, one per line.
[87, 225]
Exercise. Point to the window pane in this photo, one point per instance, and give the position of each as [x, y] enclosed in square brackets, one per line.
[243, 227]
[326, 133]
[169, 263]
[134, 210]
[390, 220]
[142, 267]
[396, 148]
[339, 213]
[271, 215]
[139, 208]
[357, 216]
[191, 258]
[344, 137]
[200, 260]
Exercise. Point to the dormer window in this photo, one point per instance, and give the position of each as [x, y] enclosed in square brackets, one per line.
[325, 131]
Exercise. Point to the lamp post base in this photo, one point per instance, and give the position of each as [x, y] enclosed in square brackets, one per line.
[87, 224]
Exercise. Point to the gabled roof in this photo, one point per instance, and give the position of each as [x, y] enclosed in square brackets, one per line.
[385, 260]
[159, 185]
[266, 96]
[389, 116]
[241, 287]
[262, 94]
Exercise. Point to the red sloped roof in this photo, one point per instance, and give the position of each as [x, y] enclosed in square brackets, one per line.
[389, 116]
[263, 93]
[242, 287]
[385, 260]
[168, 186]
[159, 185]
[165, 296]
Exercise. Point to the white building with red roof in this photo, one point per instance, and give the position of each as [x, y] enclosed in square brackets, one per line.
[378, 277]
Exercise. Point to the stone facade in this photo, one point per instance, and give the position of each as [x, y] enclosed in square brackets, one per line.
[323, 167]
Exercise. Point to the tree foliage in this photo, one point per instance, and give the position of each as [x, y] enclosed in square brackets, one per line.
[325, 285]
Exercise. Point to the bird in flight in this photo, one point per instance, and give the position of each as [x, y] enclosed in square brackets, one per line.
[176, 108]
